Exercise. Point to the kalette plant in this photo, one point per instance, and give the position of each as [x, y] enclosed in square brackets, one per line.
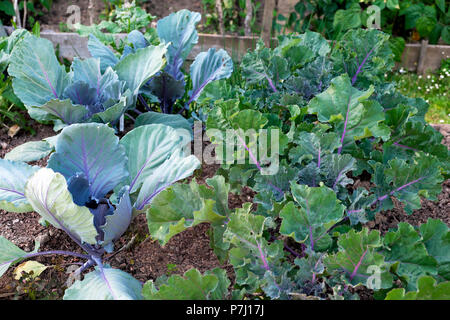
[261, 250]
[90, 188]
[341, 126]
[178, 32]
[88, 93]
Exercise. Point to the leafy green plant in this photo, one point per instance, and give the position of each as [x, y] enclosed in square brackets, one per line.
[212, 285]
[11, 108]
[90, 92]
[404, 20]
[72, 194]
[338, 121]
[432, 87]
[234, 13]
[124, 18]
[34, 10]
[178, 32]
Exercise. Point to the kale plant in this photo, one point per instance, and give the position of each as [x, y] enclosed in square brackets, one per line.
[349, 147]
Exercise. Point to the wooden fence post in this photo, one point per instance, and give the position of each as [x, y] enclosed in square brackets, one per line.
[266, 34]
[248, 17]
[422, 56]
[219, 9]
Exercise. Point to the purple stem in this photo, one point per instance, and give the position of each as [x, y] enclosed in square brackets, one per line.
[396, 190]
[318, 161]
[269, 80]
[345, 126]
[197, 92]
[144, 103]
[292, 251]
[358, 265]
[103, 276]
[253, 158]
[271, 84]
[405, 147]
[263, 258]
[43, 253]
[361, 65]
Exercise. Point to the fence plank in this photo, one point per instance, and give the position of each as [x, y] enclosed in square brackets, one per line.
[269, 6]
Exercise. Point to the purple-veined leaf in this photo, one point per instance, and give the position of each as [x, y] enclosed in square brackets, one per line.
[93, 150]
[208, 67]
[14, 175]
[37, 75]
[178, 29]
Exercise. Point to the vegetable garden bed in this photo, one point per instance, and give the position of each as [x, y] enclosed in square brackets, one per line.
[325, 181]
[144, 258]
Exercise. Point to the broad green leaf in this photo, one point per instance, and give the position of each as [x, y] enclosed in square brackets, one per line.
[263, 66]
[118, 222]
[312, 40]
[393, 5]
[175, 168]
[37, 75]
[348, 109]
[14, 176]
[30, 151]
[137, 68]
[175, 121]
[156, 159]
[312, 146]
[359, 260]
[191, 286]
[404, 249]
[425, 25]
[109, 284]
[183, 206]
[10, 253]
[348, 19]
[427, 290]
[178, 29]
[250, 254]
[365, 55]
[334, 169]
[441, 5]
[436, 237]
[318, 210]
[47, 193]
[412, 137]
[273, 188]
[408, 181]
[66, 111]
[98, 50]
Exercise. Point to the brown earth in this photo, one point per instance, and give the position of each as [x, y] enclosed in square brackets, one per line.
[140, 256]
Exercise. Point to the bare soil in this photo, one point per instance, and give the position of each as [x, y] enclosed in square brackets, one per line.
[142, 257]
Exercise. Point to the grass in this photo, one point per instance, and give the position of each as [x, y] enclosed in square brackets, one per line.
[434, 88]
